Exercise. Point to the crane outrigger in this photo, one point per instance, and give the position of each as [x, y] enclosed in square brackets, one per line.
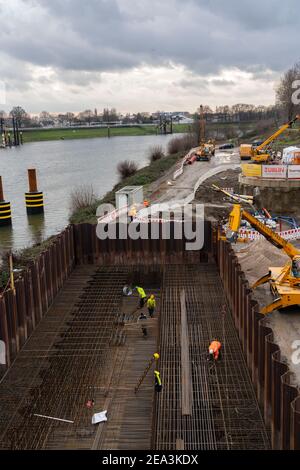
[284, 281]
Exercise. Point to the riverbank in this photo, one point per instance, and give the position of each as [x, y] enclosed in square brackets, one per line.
[143, 177]
[40, 135]
[146, 176]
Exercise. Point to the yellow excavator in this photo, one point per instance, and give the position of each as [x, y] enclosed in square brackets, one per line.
[284, 281]
[206, 149]
[261, 154]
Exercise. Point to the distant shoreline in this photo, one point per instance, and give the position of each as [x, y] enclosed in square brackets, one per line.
[40, 135]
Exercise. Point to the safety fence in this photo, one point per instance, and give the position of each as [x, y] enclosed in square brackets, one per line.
[179, 170]
[280, 172]
[276, 391]
[292, 234]
[35, 290]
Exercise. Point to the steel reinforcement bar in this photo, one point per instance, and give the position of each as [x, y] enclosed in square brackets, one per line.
[204, 406]
[74, 370]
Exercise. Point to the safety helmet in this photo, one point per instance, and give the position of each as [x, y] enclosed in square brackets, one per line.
[156, 356]
[211, 351]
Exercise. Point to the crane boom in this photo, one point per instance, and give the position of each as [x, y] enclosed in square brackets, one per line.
[276, 134]
[237, 214]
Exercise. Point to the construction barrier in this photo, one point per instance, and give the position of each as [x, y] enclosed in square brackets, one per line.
[179, 171]
[249, 169]
[274, 171]
[291, 172]
[292, 234]
[294, 172]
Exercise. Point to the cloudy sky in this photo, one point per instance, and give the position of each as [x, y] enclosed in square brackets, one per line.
[144, 55]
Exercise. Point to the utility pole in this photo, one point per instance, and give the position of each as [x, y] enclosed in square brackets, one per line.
[202, 125]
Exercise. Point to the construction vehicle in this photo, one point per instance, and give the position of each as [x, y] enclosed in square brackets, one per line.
[206, 149]
[284, 281]
[261, 153]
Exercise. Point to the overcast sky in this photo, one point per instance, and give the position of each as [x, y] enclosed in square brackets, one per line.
[144, 55]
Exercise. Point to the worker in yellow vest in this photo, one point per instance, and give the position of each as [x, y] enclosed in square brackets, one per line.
[151, 304]
[158, 384]
[142, 295]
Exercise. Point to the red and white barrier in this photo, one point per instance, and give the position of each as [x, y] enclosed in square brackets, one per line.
[112, 216]
[292, 234]
[179, 171]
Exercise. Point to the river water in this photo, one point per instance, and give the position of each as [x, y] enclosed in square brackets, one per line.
[61, 167]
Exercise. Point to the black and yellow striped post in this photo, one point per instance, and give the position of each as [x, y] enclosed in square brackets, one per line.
[5, 209]
[34, 199]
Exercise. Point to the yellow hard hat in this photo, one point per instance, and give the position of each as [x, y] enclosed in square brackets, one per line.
[156, 356]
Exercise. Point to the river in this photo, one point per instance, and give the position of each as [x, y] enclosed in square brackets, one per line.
[61, 167]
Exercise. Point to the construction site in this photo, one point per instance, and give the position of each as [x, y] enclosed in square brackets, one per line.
[87, 367]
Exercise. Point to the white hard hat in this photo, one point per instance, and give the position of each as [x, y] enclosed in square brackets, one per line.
[211, 351]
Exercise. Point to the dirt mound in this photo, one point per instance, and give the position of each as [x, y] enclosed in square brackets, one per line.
[217, 205]
[226, 179]
[255, 259]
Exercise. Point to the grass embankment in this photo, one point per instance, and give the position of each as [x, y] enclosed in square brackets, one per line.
[39, 135]
[289, 138]
[286, 139]
[143, 177]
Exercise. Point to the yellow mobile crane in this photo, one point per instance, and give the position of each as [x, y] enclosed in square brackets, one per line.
[206, 149]
[260, 154]
[284, 281]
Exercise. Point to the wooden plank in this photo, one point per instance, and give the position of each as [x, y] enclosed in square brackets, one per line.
[179, 444]
[186, 384]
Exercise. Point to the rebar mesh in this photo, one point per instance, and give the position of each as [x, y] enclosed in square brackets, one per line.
[225, 413]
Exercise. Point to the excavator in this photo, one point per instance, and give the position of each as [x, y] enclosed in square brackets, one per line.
[261, 154]
[284, 281]
[206, 149]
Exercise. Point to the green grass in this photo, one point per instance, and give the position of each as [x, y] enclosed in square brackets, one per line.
[143, 177]
[39, 135]
[291, 137]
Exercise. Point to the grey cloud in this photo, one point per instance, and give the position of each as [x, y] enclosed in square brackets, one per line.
[79, 40]
[112, 35]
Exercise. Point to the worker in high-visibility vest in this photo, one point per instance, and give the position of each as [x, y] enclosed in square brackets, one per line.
[151, 304]
[142, 295]
[158, 384]
[132, 212]
[215, 350]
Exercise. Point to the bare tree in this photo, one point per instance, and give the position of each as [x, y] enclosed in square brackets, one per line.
[18, 113]
[286, 90]
[82, 197]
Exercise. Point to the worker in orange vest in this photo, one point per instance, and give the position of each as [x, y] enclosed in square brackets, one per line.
[215, 350]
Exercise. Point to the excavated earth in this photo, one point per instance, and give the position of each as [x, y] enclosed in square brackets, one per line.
[255, 258]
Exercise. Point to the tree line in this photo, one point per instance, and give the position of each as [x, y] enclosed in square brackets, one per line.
[286, 106]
